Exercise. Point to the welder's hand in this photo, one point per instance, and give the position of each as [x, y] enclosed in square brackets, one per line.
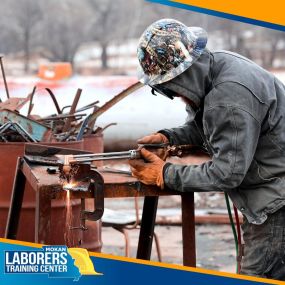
[156, 138]
[150, 171]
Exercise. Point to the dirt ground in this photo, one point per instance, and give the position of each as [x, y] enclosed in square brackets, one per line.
[215, 246]
[214, 243]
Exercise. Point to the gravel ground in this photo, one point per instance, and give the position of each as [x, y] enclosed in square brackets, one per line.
[214, 243]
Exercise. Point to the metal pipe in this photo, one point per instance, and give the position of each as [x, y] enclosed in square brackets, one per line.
[100, 158]
[4, 76]
[106, 154]
[131, 154]
[60, 117]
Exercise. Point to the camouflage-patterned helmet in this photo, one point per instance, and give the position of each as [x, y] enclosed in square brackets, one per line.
[166, 49]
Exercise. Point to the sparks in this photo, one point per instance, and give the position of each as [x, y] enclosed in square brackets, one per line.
[69, 186]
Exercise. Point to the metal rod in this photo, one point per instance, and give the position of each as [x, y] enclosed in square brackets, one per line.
[100, 158]
[106, 154]
[72, 110]
[31, 100]
[60, 117]
[91, 105]
[81, 131]
[4, 76]
[54, 100]
[113, 170]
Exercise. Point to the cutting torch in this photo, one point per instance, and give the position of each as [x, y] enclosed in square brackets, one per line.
[171, 150]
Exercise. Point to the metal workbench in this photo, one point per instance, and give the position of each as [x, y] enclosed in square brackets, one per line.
[47, 188]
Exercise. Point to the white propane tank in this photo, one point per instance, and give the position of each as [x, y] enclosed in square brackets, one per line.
[137, 115]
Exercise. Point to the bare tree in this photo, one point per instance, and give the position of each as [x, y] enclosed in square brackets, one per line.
[269, 46]
[65, 28]
[111, 21]
[59, 28]
[26, 16]
[150, 12]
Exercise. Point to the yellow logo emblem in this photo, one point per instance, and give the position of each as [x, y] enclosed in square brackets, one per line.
[83, 261]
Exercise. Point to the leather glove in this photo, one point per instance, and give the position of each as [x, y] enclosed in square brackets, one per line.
[150, 171]
[156, 138]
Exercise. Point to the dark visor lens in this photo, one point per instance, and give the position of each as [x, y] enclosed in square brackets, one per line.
[163, 91]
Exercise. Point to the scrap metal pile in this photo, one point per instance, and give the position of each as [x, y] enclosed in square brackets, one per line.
[70, 123]
[63, 126]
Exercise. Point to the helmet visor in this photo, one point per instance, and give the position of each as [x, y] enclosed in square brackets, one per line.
[163, 91]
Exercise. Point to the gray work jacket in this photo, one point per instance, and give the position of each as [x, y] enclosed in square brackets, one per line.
[241, 121]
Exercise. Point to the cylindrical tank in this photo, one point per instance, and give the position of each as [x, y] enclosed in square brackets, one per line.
[9, 152]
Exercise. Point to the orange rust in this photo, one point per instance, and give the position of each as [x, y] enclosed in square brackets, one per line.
[9, 152]
[14, 104]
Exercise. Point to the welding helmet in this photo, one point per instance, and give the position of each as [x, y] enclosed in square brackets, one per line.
[166, 49]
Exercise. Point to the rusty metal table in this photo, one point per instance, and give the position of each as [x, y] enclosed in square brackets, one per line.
[47, 187]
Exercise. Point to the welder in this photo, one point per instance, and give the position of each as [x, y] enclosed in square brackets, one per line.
[236, 110]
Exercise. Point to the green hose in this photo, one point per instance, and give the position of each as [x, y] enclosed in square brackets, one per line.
[232, 225]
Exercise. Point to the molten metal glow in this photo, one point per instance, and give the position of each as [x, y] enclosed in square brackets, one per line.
[68, 186]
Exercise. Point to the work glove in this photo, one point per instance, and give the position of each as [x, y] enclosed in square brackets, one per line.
[156, 138]
[148, 170]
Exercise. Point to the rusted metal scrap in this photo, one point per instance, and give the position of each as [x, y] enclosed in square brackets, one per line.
[14, 104]
[134, 87]
[68, 126]
[85, 179]
[12, 131]
[75, 117]
[62, 124]
[87, 125]
[36, 130]
[64, 130]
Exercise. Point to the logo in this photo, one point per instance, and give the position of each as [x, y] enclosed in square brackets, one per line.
[56, 261]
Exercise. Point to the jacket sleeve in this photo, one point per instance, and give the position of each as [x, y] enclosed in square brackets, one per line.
[233, 133]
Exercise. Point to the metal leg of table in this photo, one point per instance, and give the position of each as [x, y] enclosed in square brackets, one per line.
[43, 217]
[188, 229]
[147, 228]
[16, 203]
